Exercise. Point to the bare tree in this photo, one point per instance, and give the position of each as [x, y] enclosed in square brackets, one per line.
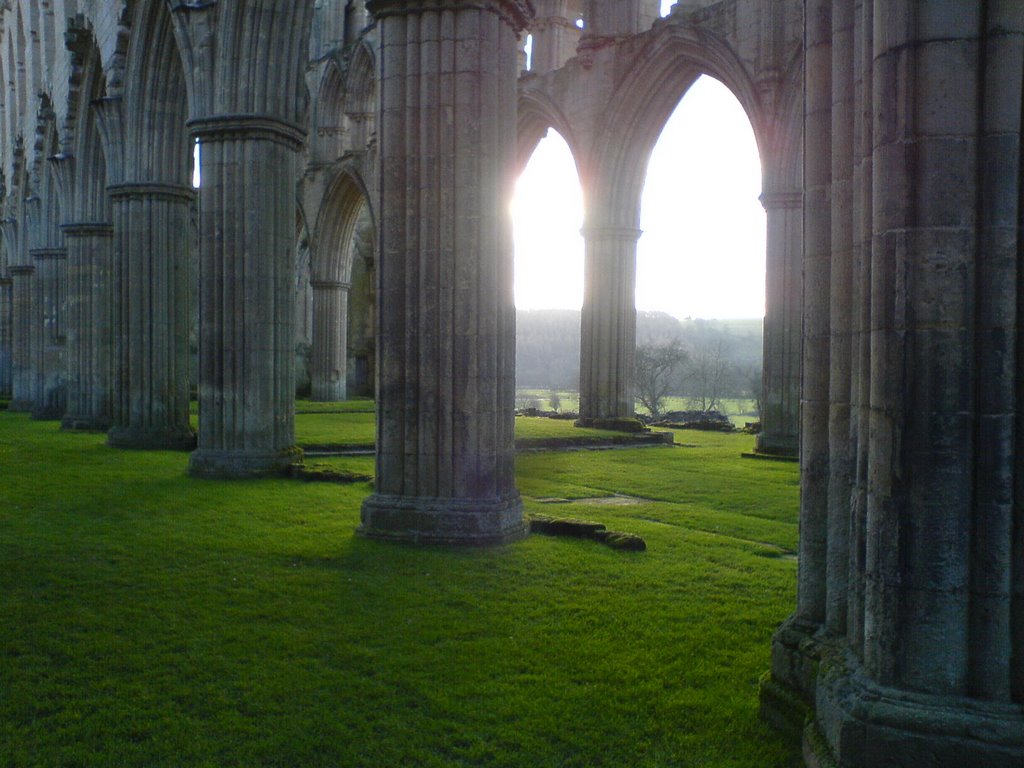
[657, 372]
[708, 373]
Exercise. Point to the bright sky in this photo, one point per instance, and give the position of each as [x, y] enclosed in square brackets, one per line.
[702, 253]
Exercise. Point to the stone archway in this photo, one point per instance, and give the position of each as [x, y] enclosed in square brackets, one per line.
[345, 205]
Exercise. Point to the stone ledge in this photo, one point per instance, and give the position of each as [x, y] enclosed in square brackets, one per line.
[450, 521]
[210, 464]
[152, 440]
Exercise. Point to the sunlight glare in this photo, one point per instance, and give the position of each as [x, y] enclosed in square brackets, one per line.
[547, 213]
[703, 249]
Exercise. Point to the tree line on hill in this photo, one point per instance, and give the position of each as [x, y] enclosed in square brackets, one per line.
[704, 361]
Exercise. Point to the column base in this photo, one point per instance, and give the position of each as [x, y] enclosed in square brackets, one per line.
[241, 465]
[21, 406]
[783, 446]
[152, 439]
[71, 423]
[424, 520]
[860, 724]
[787, 692]
[47, 413]
[616, 423]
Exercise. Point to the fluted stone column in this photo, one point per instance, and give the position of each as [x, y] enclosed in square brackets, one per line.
[446, 334]
[329, 355]
[5, 337]
[780, 380]
[152, 298]
[23, 371]
[246, 296]
[795, 646]
[555, 35]
[608, 330]
[90, 326]
[50, 288]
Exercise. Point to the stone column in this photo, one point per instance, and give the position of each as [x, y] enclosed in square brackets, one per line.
[795, 647]
[608, 331]
[446, 332]
[840, 319]
[555, 35]
[23, 371]
[151, 274]
[246, 296]
[50, 289]
[934, 675]
[329, 355]
[780, 380]
[5, 337]
[90, 326]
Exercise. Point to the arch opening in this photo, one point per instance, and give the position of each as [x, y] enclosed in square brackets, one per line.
[547, 213]
[701, 262]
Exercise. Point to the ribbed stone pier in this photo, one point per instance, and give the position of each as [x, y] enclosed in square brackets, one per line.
[246, 296]
[608, 330]
[780, 381]
[329, 358]
[23, 373]
[90, 326]
[907, 638]
[5, 337]
[152, 244]
[50, 281]
[446, 333]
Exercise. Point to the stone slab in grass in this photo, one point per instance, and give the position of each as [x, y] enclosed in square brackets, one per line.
[586, 529]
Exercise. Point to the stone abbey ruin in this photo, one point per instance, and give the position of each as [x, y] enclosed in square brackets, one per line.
[356, 163]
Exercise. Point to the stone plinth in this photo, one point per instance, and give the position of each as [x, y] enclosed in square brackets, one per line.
[446, 332]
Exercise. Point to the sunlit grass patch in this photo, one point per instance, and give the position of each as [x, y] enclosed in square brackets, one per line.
[155, 620]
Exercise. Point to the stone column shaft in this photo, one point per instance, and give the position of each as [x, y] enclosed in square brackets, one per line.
[860, 396]
[6, 310]
[814, 456]
[608, 331]
[90, 325]
[555, 35]
[51, 288]
[780, 379]
[151, 279]
[23, 375]
[246, 297]
[840, 320]
[329, 356]
[446, 331]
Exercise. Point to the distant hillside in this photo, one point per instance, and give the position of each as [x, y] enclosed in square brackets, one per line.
[548, 346]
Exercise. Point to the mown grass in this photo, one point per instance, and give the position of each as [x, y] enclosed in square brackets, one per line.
[155, 620]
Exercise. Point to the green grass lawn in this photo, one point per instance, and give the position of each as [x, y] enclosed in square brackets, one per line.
[154, 620]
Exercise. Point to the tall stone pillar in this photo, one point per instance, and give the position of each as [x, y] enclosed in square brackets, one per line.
[246, 296]
[50, 289]
[5, 337]
[23, 370]
[152, 245]
[780, 380]
[608, 331]
[329, 356]
[446, 333]
[795, 647]
[90, 326]
[555, 35]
